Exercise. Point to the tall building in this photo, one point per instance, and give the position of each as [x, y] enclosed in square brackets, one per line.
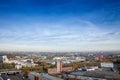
[59, 66]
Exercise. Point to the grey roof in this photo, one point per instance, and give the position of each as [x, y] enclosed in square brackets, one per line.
[102, 74]
[1, 78]
[49, 77]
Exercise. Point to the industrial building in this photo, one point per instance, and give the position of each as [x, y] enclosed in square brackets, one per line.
[41, 76]
[59, 68]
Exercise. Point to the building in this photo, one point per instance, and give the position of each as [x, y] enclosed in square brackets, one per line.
[34, 76]
[91, 75]
[43, 57]
[58, 68]
[23, 63]
[52, 70]
[107, 64]
[100, 57]
[80, 59]
[69, 59]
[87, 68]
[67, 69]
[77, 75]
[106, 72]
[41, 76]
[4, 59]
[18, 66]
[1, 78]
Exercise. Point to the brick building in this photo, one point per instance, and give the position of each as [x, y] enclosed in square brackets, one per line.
[58, 68]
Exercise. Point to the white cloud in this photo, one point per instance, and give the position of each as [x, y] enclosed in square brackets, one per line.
[77, 33]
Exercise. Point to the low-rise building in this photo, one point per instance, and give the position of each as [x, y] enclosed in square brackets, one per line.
[107, 64]
[4, 59]
[93, 73]
[23, 63]
[69, 59]
[67, 69]
[41, 76]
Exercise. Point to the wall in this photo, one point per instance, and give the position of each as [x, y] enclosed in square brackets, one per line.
[67, 69]
[52, 70]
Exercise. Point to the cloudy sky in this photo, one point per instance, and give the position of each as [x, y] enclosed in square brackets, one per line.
[59, 25]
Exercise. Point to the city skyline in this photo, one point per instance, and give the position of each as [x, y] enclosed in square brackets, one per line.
[59, 25]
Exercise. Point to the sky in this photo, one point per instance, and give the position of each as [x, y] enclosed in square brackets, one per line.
[59, 25]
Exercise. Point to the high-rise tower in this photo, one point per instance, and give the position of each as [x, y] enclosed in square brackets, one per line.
[59, 66]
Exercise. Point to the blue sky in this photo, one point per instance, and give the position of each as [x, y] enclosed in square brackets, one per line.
[59, 25]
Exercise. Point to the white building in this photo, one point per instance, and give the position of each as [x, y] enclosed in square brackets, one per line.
[43, 57]
[18, 66]
[23, 63]
[69, 59]
[4, 59]
[80, 59]
[107, 64]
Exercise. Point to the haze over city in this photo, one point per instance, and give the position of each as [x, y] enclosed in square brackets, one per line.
[59, 25]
